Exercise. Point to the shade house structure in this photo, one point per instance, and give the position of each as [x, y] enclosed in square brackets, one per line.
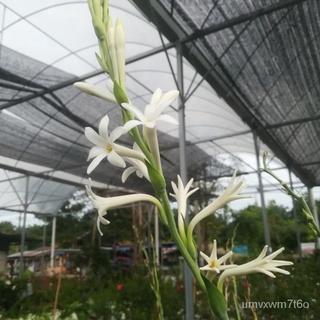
[247, 70]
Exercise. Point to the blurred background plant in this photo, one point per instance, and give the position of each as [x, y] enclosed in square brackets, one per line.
[129, 295]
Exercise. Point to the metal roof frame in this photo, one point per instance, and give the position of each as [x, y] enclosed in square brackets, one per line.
[166, 23]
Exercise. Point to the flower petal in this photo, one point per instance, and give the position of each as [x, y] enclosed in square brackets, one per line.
[103, 221]
[205, 257]
[103, 128]
[116, 160]
[169, 96]
[168, 119]
[126, 173]
[95, 151]
[94, 137]
[156, 96]
[134, 110]
[94, 163]
[131, 124]
[116, 133]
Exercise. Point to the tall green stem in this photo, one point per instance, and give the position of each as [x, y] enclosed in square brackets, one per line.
[184, 251]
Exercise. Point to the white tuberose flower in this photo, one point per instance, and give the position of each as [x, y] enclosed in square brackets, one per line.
[215, 265]
[181, 194]
[228, 195]
[262, 264]
[148, 119]
[152, 112]
[103, 204]
[105, 146]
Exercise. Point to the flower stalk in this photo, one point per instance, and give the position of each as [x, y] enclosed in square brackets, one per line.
[146, 163]
[297, 197]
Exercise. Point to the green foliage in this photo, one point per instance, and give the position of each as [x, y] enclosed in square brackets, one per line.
[250, 228]
[114, 295]
[11, 294]
[7, 227]
[282, 228]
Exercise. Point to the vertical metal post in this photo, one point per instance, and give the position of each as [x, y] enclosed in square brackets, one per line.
[313, 208]
[43, 245]
[53, 242]
[23, 230]
[183, 175]
[263, 205]
[294, 209]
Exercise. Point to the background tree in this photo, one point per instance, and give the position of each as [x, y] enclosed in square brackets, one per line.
[7, 227]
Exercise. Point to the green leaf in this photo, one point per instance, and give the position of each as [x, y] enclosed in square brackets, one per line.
[217, 302]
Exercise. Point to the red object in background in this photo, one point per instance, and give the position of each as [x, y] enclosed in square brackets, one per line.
[119, 287]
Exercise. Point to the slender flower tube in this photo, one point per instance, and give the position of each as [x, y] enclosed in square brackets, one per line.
[106, 147]
[228, 195]
[103, 204]
[262, 264]
[215, 265]
[181, 194]
[94, 91]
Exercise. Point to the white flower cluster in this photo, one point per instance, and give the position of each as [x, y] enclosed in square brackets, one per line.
[262, 264]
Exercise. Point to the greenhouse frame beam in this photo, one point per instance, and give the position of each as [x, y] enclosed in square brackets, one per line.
[153, 6]
[184, 39]
[171, 29]
[89, 75]
[41, 175]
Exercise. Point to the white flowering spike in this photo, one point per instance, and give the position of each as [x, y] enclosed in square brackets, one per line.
[105, 146]
[94, 91]
[181, 194]
[153, 111]
[262, 264]
[103, 204]
[215, 265]
[230, 194]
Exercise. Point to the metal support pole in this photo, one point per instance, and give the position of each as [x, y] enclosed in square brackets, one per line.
[263, 205]
[23, 230]
[53, 241]
[183, 175]
[294, 209]
[313, 208]
[43, 246]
